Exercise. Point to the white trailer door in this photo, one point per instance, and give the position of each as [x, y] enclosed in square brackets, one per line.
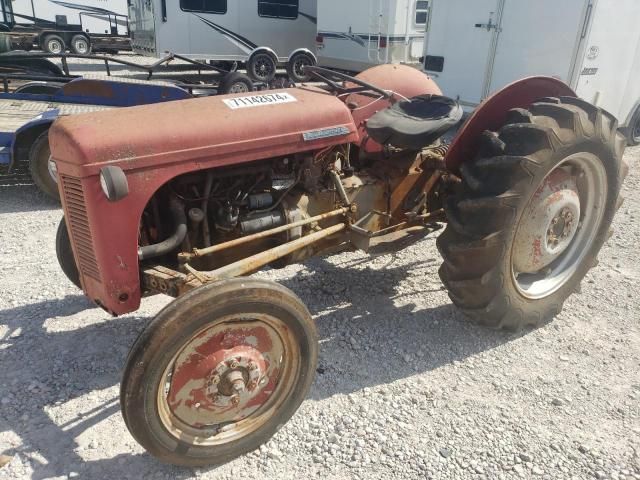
[458, 46]
[539, 38]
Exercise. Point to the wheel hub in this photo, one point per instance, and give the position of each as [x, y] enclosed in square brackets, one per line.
[549, 224]
[225, 374]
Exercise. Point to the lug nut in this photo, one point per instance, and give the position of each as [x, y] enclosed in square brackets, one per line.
[235, 400]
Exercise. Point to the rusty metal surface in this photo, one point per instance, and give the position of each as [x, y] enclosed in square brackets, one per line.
[491, 114]
[203, 390]
[267, 233]
[156, 143]
[255, 262]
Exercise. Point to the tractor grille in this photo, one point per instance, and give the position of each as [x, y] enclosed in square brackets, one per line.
[79, 223]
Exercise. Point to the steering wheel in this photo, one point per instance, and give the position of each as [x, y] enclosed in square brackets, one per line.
[332, 79]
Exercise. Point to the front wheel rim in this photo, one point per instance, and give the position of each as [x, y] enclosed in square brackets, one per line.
[228, 380]
[590, 177]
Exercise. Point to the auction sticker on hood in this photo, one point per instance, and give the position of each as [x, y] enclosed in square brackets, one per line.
[259, 100]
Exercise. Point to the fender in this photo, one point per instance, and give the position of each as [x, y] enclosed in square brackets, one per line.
[267, 50]
[28, 132]
[492, 113]
[303, 50]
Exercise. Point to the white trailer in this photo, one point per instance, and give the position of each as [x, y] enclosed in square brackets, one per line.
[263, 33]
[357, 34]
[78, 25]
[475, 47]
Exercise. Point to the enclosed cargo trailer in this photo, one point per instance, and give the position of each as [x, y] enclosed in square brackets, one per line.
[593, 45]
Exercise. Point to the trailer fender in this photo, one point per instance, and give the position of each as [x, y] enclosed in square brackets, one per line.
[27, 134]
[491, 114]
[303, 50]
[268, 50]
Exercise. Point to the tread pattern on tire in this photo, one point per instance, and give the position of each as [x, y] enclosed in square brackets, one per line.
[495, 189]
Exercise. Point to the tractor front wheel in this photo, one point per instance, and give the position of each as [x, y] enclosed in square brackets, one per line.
[64, 252]
[219, 371]
[532, 212]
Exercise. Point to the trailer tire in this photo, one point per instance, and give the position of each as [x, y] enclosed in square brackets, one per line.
[532, 212]
[296, 65]
[64, 253]
[53, 44]
[262, 67]
[255, 328]
[39, 155]
[633, 131]
[235, 82]
[81, 45]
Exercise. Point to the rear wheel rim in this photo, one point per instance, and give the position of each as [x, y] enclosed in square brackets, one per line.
[263, 67]
[590, 176]
[228, 380]
[299, 65]
[82, 47]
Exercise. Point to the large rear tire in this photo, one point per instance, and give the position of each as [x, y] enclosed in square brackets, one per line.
[219, 371]
[532, 212]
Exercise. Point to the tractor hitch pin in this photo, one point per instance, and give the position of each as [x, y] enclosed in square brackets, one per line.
[267, 233]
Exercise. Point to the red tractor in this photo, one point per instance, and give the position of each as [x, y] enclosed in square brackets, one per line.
[183, 198]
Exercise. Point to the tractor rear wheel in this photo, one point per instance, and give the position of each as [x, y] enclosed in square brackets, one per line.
[532, 212]
[219, 371]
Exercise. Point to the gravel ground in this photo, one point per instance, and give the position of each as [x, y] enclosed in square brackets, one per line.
[406, 387]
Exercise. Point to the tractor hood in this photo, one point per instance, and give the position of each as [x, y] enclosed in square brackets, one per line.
[207, 132]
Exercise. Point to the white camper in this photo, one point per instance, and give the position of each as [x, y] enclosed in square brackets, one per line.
[476, 47]
[77, 25]
[357, 34]
[262, 33]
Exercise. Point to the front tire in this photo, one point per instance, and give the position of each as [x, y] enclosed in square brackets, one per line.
[532, 212]
[39, 156]
[64, 253]
[219, 371]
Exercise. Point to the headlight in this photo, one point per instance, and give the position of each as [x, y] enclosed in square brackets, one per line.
[114, 183]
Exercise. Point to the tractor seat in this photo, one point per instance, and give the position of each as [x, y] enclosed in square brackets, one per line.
[413, 124]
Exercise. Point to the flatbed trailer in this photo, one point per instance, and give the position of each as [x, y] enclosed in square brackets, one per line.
[29, 103]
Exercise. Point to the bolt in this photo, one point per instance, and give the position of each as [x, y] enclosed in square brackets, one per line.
[216, 379]
[252, 366]
[233, 364]
[235, 400]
